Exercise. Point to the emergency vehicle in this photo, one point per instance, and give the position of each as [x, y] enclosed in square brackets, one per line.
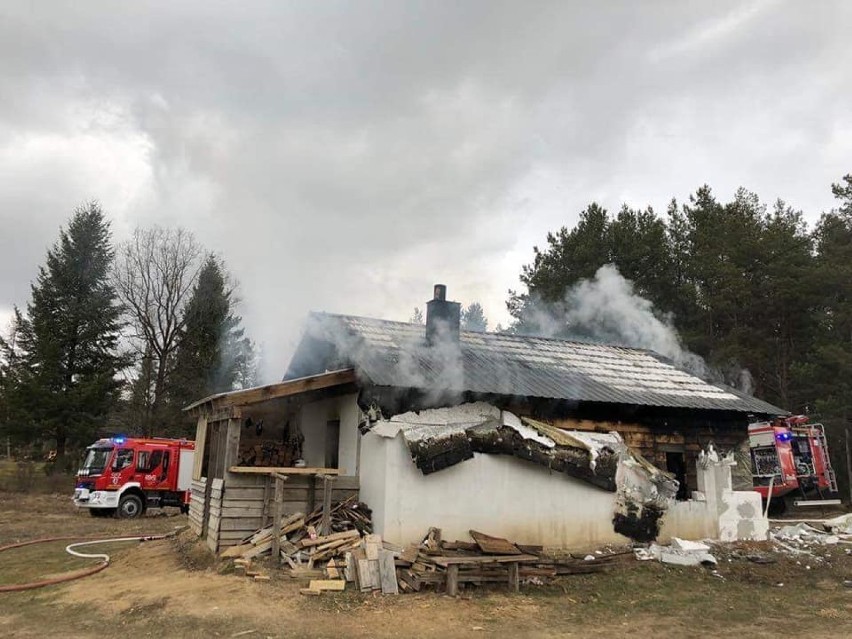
[790, 462]
[124, 476]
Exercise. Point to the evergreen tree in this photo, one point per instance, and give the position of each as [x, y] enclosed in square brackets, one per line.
[473, 319]
[213, 355]
[64, 362]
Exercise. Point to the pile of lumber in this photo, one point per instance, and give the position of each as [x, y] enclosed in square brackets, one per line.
[371, 566]
[300, 543]
[486, 559]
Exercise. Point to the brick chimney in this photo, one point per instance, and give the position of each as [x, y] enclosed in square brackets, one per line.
[443, 318]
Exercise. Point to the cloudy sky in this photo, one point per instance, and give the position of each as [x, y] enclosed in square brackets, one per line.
[344, 156]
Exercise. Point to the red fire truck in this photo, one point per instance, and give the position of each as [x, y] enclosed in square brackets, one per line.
[124, 476]
[790, 460]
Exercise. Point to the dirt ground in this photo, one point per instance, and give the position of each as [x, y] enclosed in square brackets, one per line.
[173, 589]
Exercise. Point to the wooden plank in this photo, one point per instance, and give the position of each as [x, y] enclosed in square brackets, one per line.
[372, 545]
[200, 440]
[227, 502]
[387, 573]
[276, 519]
[325, 524]
[232, 443]
[491, 559]
[346, 534]
[350, 570]
[284, 470]
[375, 575]
[245, 523]
[276, 391]
[327, 584]
[494, 545]
[365, 579]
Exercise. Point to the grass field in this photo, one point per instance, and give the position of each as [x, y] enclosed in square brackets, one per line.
[30, 477]
[174, 589]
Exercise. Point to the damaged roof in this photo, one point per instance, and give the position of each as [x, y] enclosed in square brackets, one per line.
[396, 354]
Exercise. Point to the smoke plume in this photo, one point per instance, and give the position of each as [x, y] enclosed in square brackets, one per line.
[607, 309]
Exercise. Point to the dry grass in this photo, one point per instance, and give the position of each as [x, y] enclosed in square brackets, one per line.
[150, 591]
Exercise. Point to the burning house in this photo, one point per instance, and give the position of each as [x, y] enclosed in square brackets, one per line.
[545, 441]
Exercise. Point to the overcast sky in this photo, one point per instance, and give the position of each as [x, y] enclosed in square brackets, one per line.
[345, 156]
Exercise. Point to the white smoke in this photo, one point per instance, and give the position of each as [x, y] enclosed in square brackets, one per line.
[606, 308]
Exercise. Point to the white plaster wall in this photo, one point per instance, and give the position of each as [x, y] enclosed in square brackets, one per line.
[496, 494]
[373, 477]
[313, 419]
[687, 520]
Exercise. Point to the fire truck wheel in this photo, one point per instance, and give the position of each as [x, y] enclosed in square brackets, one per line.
[129, 507]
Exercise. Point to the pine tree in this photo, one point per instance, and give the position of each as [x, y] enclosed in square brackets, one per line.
[214, 354]
[473, 319]
[66, 352]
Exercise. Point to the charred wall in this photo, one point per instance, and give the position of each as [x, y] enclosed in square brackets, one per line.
[659, 434]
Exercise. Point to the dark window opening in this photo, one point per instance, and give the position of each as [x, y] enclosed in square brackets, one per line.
[332, 444]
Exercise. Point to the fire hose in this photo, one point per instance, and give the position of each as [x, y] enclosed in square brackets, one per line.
[80, 541]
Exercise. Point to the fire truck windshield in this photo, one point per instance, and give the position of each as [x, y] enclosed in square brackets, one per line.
[96, 460]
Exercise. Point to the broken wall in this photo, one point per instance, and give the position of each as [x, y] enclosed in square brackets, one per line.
[476, 467]
[499, 494]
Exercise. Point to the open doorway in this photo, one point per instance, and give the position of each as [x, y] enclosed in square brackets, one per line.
[676, 465]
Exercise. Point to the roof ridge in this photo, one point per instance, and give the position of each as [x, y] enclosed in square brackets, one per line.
[490, 334]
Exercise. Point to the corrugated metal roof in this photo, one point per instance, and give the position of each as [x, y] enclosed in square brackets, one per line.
[395, 354]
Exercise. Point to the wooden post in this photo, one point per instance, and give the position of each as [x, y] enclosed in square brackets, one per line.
[325, 526]
[514, 577]
[267, 483]
[848, 466]
[453, 580]
[276, 519]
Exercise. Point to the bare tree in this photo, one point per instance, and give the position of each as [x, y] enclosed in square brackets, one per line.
[155, 272]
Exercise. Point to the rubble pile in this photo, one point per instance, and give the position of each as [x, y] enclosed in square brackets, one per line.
[680, 552]
[803, 539]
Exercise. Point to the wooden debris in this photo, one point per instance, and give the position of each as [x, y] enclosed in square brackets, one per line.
[327, 584]
[310, 592]
[318, 541]
[301, 548]
[262, 578]
[387, 573]
[494, 545]
[331, 570]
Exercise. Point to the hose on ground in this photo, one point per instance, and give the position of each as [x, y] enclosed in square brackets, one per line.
[78, 574]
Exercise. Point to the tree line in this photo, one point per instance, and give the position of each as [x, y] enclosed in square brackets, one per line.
[746, 285]
[118, 339]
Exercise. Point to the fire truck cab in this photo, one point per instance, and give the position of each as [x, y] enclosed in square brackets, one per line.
[789, 459]
[124, 476]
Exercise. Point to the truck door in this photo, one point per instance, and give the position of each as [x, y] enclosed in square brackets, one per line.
[122, 469]
[152, 469]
